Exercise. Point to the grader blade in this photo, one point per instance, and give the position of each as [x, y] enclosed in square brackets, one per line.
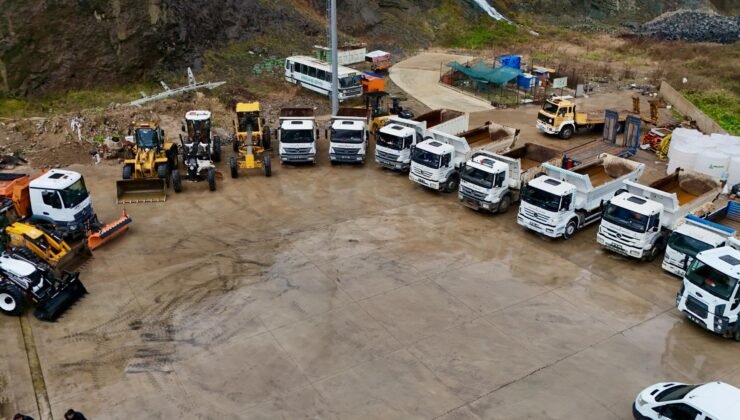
[141, 191]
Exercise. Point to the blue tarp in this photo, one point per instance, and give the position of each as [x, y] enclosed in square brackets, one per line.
[482, 72]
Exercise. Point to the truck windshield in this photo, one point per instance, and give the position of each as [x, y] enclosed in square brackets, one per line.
[540, 198]
[711, 280]
[393, 142]
[550, 107]
[478, 177]
[687, 245]
[296, 136]
[74, 194]
[146, 138]
[627, 219]
[346, 136]
[426, 158]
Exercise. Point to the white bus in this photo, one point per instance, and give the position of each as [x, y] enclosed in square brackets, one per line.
[315, 74]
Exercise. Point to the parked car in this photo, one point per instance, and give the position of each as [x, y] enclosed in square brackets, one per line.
[677, 401]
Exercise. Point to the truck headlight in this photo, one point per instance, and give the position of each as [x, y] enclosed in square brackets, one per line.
[486, 206]
[641, 401]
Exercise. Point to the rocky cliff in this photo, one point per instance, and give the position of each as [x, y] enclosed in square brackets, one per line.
[47, 45]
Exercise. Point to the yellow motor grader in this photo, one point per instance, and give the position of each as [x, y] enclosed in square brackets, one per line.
[251, 140]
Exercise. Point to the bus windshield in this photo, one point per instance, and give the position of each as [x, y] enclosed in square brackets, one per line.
[349, 82]
[711, 280]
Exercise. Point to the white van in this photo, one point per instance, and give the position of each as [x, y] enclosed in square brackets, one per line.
[677, 401]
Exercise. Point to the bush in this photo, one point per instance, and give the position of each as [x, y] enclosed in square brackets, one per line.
[720, 105]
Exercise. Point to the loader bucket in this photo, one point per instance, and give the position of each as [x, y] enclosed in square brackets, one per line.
[149, 190]
[69, 292]
[108, 232]
[74, 258]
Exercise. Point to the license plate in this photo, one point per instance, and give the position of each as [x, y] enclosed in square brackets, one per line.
[696, 320]
[534, 225]
[470, 203]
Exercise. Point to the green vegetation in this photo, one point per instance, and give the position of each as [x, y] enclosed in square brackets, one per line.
[497, 33]
[720, 105]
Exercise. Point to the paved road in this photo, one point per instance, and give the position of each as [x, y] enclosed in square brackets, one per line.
[349, 293]
[419, 76]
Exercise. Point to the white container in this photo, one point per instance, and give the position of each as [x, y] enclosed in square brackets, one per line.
[684, 157]
[713, 163]
[733, 176]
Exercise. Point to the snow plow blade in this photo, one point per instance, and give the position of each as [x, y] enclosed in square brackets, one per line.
[152, 190]
[109, 231]
[66, 294]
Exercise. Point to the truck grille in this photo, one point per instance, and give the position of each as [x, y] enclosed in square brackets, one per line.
[617, 236]
[468, 192]
[298, 151]
[422, 173]
[696, 307]
[535, 216]
[386, 156]
[345, 151]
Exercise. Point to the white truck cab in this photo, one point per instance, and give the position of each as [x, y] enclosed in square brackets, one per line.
[547, 206]
[60, 197]
[484, 182]
[678, 401]
[393, 145]
[710, 295]
[434, 164]
[348, 141]
[297, 135]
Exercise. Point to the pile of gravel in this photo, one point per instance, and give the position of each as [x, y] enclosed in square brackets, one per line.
[693, 27]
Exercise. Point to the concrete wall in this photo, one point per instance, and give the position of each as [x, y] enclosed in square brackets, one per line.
[682, 105]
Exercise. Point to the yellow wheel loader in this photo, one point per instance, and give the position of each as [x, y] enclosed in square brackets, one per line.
[145, 177]
[251, 141]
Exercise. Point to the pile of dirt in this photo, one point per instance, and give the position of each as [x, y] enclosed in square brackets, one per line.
[693, 26]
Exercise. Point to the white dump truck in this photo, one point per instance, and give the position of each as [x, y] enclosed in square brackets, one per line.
[639, 219]
[297, 135]
[393, 142]
[348, 137]
[561, 201]
[710, 294]
[437, 161]
[697, 234]
[492, 182]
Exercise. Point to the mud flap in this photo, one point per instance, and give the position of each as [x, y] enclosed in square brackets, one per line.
[108, 232]
[68, 292]
[151, 190]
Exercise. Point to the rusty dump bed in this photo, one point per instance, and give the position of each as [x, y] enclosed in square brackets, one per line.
[296, 113]
[438, 116]
[490, 133]
[352, 112]
[606, 170]
[686, 185]
[532, 155]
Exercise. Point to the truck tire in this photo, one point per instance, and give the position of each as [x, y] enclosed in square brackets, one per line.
[451, 184]
[12, 299]
[173, 157]
[235, 145]
[234, 167]
[267, 166]
[567, 132]
[212, 179]
[504, 205]
[162, 171]
[570, 229]
[216, 149]
[128, 171]
[176, 181]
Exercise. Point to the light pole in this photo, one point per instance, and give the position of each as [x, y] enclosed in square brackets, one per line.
[334, 60]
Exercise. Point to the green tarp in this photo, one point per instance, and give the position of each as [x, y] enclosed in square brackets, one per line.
[482, 72]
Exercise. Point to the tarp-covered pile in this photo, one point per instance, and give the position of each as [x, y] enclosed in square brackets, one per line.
[483, 73]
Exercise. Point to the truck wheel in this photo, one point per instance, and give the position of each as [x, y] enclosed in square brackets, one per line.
[128, 171]
[451, 185]
[267, 166]
[570, 229]
[266, 140]
[233, 167]
[566, 132]
[173, 157]
[652, 254]
[504, 205]
[216, 149]
[176, 181]
[212, 179]
[11, 299]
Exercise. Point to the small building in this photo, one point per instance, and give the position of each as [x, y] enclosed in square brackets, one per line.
[346, 54]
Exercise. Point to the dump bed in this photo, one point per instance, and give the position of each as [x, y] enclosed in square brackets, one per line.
[680, 193]
[589, 152]
[597, 181]
[352, 113]
[728, 216]
[445, 120]
[531, 157]
[597, 117]
[295, 113]
[492, 137]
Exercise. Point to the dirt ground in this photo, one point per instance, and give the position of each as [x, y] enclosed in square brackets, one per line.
[348, 292]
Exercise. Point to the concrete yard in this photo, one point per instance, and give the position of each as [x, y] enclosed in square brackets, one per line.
[350, 293]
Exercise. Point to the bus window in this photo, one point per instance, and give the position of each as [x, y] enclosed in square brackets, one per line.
[321, 75]
[311, 72]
